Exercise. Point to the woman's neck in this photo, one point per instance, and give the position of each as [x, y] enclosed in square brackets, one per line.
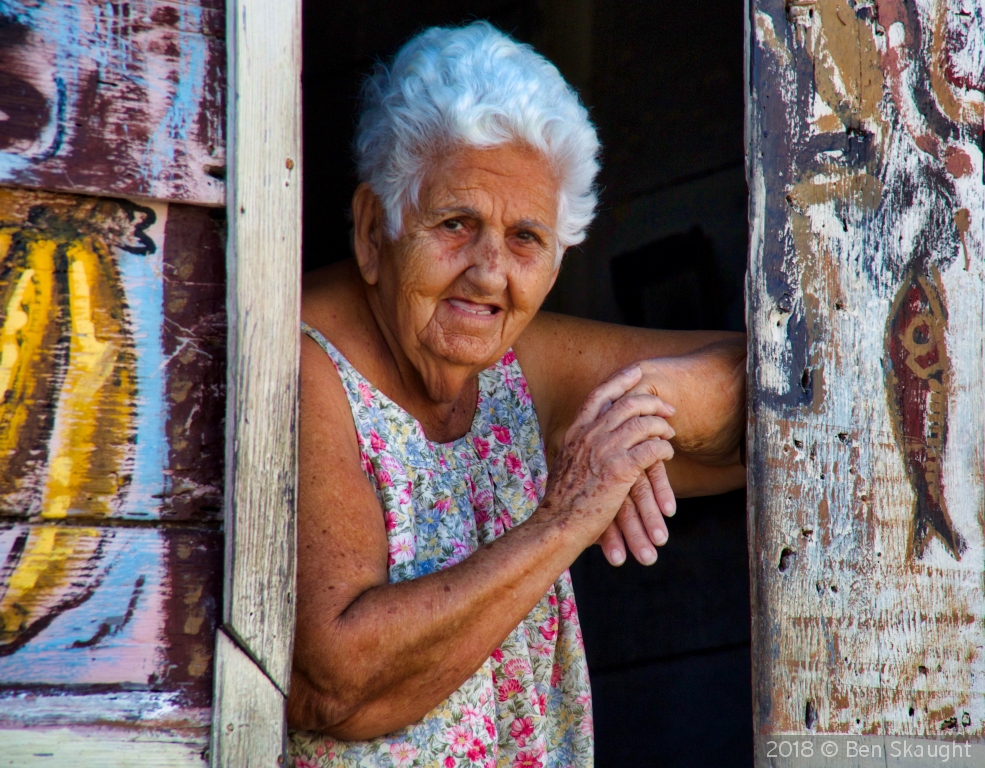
[440, 395]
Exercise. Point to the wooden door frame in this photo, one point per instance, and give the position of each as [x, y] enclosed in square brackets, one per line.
[255, 643]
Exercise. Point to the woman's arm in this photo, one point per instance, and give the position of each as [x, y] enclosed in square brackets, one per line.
[371, 657]
[700, 373]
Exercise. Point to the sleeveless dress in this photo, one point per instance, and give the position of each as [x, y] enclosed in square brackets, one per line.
[529, 705]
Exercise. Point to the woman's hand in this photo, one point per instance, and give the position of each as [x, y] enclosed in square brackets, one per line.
[618, 436]
[711, 430]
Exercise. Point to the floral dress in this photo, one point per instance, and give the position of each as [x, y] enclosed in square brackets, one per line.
[529, 705]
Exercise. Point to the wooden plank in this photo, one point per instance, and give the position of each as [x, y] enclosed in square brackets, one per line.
[103, 747]
[249, 724]
[114, 98]
[264, 338]
[107, 624]
[866, 296]
[113, 358]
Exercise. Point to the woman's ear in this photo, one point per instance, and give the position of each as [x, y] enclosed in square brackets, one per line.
[367, 232]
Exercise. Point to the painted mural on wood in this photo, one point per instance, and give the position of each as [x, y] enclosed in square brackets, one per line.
[121, 98]
[113, 358]
[866, 292]
[919, 380]
[112, 369]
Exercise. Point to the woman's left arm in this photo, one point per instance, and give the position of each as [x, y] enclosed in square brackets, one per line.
[700, 373]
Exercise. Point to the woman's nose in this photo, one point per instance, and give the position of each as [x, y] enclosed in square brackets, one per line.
[488, 268]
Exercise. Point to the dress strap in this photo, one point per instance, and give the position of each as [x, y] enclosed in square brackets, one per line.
[351, 378]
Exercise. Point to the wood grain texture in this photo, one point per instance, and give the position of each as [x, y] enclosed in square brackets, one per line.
[866, 298]
[112, 369]
[107, 625]
[248, 725]
[114, 98]
[103, 747]
[264, 336]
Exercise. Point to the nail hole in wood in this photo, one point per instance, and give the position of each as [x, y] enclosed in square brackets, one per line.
[810, 715]
[786, 559]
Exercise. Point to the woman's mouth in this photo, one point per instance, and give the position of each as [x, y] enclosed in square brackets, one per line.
[473, 308]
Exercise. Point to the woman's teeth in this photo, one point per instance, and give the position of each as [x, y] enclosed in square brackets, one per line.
[475, 309]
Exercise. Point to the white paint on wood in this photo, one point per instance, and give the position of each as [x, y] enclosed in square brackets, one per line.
[264, 269]
[846, 615]
[248, 720]
[102, 747]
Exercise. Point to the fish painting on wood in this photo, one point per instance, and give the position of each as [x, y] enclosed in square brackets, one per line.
[112, 371]
[918, 384]
[114, 98]
[865, 292]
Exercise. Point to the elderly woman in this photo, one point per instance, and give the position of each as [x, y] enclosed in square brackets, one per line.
[459, 448]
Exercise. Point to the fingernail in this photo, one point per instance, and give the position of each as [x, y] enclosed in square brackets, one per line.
[670, 508]
[671, 408]
[632, 370]
[659, 537]
[648, 556]
[616, 557]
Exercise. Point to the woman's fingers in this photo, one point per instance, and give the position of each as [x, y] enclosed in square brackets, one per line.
[613, 546]
[651, 518]
[630, 520]
[606, 393]
[660, 485]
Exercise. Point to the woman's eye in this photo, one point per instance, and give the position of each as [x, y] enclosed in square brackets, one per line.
[453, 225]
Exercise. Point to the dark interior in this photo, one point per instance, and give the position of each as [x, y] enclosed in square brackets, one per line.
[668, 645]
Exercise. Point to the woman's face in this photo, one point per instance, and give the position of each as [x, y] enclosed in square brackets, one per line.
[475, 262]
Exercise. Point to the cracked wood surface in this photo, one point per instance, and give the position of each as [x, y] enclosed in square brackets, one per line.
[114, 98]
[865, 299]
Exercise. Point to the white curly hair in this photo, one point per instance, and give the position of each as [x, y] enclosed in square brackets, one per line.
[473, 86]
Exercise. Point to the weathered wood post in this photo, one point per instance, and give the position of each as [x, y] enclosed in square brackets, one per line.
[866, 298]
[124, 470]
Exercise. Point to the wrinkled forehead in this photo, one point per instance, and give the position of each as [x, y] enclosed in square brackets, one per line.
[510, 183]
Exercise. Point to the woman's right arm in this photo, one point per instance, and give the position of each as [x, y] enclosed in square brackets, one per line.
[371, 657]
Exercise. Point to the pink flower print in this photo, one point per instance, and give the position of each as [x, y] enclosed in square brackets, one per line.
[459, 740]
[509, 687]
[367, 464]
[523, 392]
[490, 726]
[390, 464]
[376, 442]
[552, 598]
[442, 505]
[549, 630]
[303, 762]
[556, 674]
[320, 751]
[541, 699]
[449, 762]
[513, 464]
[569, 611]
[403, 753]
[470, 713]
[529, 490]
[390, 519]
[497, 655]
[442, 462]
[509, 358]
[476, 751]
[502, 434]
[542, 648]
[383, 479]
[514, 667]
[481, 447]
[522, 729]
[365, 394]
[401, 548]
[587, 727]
[528, 760]
[584, 698]
[405, 494]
